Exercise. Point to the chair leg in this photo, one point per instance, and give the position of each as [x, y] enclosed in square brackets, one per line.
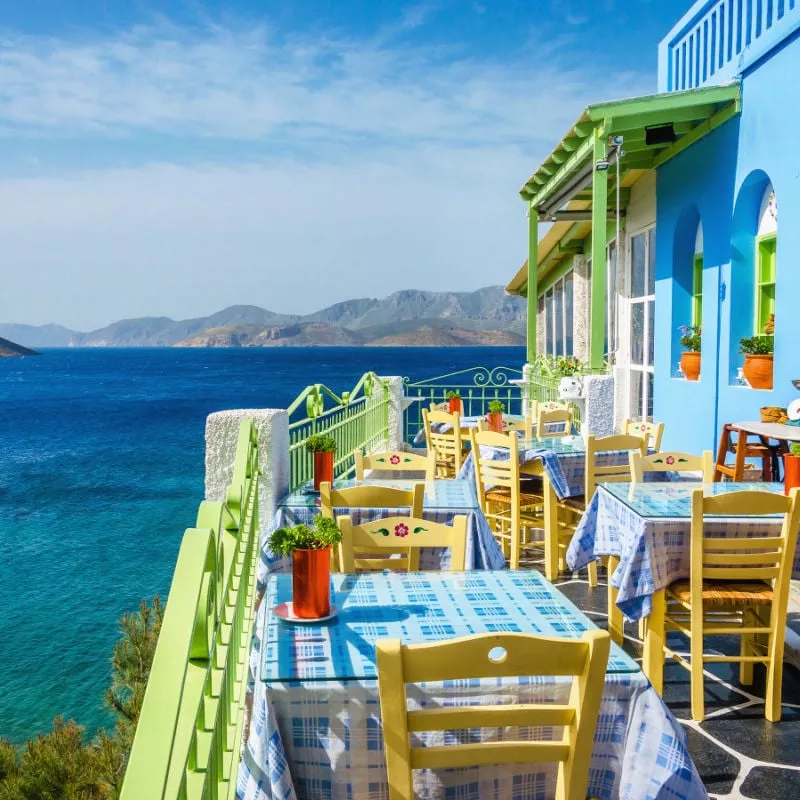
[775, 644]
[615, 620]
[653, 655]
[696, 653]
[515, 537]
[592, 574]
[747, 649]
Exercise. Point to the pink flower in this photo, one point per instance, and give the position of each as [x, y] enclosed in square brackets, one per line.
[643, 426]
[401, 530]
[670, 459]
[394, 460]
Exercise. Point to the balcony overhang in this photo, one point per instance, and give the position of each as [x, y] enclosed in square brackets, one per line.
[649, 131]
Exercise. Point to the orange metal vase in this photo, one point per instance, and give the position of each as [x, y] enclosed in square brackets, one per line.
[323, 469]
[454, 405]
[791, 472]
[311, 583]
[690, 365]
[758, 370]
[495, 420]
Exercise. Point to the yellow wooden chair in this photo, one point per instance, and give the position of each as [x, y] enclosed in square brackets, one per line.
[506, 507]
[395, 461]
[492, 656]
[737, 586]
[447, 447]
[672, 462]
[561, 416]
[364, 547]
[370, 497]
[574, 507]
[652, 431]
[524, 427]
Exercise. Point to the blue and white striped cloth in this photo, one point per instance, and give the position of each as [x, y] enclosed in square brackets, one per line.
[322, 737]
[647, 526]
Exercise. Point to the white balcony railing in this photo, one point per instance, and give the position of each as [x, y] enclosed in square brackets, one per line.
[718, 39]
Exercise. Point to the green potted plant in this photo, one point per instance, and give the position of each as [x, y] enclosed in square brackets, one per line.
[454, 402]
[690, 357]
[758, 353]
[791, 467]
[323, 447]
[310, 551]
[495, 415]
[567, 366]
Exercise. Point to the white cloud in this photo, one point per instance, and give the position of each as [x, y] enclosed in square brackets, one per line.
[381, 165]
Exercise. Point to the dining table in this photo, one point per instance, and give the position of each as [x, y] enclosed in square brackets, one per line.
[315, 729]
[644, 530]
[465, 423]
[443, 500]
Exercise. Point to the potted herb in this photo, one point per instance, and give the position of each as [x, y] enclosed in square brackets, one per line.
[310, 549]
[567, 366]
[323, 447]
[495, 415]
[454, 402]
[791, 467]
[690, 357]
[758, 353]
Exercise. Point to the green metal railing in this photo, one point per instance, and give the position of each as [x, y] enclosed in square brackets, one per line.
[359, 419]
[188, 738]
[477, 386]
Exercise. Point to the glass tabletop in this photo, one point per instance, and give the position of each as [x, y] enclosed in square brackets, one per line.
[673, 500]
[446, 495]
[416, 607]
[560, 445]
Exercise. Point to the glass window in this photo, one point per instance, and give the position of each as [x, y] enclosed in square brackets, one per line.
[558, 300]
[568, 313]
[638, 265]
[637, 391]
[651, 313]
[637, 333]
[651, 261]
[548, 305]
[648, 415]
[697, 290]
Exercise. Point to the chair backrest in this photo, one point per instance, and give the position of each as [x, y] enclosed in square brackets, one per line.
[369, 497]
[365, 547]
[671, 462]
[609, 473]
[652, 432]
[496, 472]
[557, 415]
[446, 446]
[492, 656]
[395, 461]
[551, 405]
[523, 426]
[767, 558]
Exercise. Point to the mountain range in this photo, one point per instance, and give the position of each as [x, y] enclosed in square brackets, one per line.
[409, 317]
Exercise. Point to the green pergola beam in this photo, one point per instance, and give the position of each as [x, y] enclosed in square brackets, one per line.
[573, 163]
[533, 269]
[597, 309]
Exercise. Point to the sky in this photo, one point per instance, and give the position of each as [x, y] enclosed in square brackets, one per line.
[177, 157]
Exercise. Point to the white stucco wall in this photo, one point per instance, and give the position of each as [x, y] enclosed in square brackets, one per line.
[599, 412]
[397, 406]
[222, 435]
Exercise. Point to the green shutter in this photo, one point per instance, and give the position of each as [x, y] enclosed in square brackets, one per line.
[697, 290]
[766, 250]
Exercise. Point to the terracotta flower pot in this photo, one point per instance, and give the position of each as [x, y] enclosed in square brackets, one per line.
[323, 469]
[690, 365]
[758, 370]
[495, 420]
[311, 583]
[791, 472]
[454, 405]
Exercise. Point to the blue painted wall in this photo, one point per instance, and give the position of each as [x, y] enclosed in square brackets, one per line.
[721, 180]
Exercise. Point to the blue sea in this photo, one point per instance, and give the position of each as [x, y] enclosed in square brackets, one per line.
[101, 470]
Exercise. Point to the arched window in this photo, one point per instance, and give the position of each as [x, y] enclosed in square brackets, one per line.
[765, 257]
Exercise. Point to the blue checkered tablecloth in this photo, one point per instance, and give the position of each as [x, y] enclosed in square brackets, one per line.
[315, 730]
[444, 499]
[647, 527]
[472, 422]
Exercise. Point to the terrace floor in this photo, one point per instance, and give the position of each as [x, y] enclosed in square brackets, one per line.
[737, 752]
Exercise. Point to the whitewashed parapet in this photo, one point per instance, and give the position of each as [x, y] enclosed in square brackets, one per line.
[222, 434]
[397, 409]
[598, 420]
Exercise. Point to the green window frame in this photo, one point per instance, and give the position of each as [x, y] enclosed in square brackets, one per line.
[697, 290]
[766, 252]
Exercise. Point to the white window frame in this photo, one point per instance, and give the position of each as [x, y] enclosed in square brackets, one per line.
[644, 369]
[552, 322]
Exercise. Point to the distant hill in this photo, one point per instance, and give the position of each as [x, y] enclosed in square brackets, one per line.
[414, 315]
[8, 348]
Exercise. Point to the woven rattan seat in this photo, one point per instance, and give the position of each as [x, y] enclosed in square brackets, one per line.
[503, 495]
[724, 594]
